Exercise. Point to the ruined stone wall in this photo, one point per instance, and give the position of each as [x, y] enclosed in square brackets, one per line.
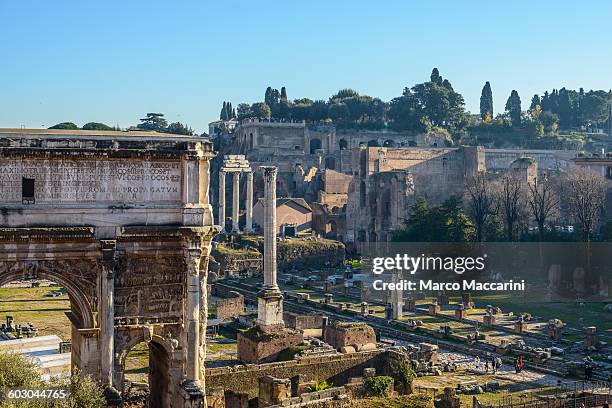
[303, 322]
[355, 335]
[230, 306]
[335, 369]
[500, 159]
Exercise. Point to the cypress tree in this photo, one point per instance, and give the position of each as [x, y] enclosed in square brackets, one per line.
[513, 107]
[535, 101]
[223, 115]
[486, 101]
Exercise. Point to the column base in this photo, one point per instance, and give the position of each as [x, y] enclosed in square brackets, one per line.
[270, 309]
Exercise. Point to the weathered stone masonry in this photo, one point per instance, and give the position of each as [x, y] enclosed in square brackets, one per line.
[122, 220]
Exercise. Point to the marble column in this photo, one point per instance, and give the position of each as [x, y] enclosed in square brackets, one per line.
[249, 204]
[236, 202]
[270, 298]
[192, 314]
[222, 200]
[107, 313]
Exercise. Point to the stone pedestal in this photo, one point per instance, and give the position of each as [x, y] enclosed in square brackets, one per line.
[270, 310]
[466, 300]
[442, 299]
[519, 326]
[489, 319]
[434, 309]
[460, 313]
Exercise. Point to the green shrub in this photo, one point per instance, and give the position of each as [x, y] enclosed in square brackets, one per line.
[319, 386]
[379, 386]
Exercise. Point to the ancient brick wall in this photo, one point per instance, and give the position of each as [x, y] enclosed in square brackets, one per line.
[336, 369]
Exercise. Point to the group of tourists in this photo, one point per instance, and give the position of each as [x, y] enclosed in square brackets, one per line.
[490, 363]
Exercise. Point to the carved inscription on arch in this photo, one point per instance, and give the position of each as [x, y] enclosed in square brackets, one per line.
[67, 181]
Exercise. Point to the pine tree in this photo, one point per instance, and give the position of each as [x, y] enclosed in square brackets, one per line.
[513, 107]
[486, 101]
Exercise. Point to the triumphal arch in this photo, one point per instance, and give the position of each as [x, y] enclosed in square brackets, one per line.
[122, 220]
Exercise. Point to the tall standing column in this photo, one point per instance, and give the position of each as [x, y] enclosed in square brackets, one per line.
[222, 200]
[192, 314]
[249, 203]
[270, 228]
[236, 202]
[270, 298]
[107, 313]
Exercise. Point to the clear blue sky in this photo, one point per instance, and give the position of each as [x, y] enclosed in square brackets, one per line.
[112, 61]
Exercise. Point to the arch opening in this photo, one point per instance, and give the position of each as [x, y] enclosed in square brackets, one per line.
[146, 365]
[315, 144]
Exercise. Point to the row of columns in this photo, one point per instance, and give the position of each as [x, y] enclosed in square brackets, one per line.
[236, 199]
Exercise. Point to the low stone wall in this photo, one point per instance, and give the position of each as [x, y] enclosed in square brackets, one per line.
[335, 369]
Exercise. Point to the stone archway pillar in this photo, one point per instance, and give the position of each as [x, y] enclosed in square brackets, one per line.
[107, 313]
[193, 256]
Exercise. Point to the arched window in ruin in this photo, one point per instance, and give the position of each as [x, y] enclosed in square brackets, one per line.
[251, 141]
[343, 144]
[389, 143]
[373, 143]
[315, 144]
[361, 236]
[609, 172]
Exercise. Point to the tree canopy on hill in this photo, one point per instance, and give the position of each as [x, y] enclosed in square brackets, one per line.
[65, 125]
[96, 126]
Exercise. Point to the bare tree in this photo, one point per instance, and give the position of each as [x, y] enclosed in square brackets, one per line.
[480, 202]
[543, 202]
[513, 202]
[586, 196]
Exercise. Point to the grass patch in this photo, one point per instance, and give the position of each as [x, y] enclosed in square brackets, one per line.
[32, 305]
